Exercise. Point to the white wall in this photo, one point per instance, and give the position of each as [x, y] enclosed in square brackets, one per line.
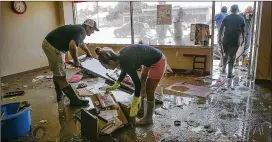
[22, 36]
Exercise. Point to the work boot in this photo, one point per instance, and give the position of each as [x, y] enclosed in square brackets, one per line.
[148, 113]
[230, 75]
[74, 99]
[59, 92]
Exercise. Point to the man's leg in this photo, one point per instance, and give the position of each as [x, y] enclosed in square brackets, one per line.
[225, 57]
[246, 45]
[51, 55]
[219, 48]
[57, 66]
[232, 56]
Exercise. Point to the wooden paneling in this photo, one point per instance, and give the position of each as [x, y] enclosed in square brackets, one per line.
[173, 54]
[264, 58]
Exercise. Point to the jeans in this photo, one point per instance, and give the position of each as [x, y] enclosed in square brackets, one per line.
[247, 43]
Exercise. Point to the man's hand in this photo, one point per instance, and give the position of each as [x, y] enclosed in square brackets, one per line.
[86, 50]
[77, 64]
[89, 55]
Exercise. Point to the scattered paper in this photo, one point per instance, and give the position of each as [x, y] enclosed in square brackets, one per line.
[43, 121]
[25, 86]
[105, 100]
[12, 98]
[108, 114]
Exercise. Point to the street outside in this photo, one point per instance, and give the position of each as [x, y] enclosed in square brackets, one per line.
[106, 36]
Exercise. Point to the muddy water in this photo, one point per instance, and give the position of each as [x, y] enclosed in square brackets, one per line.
[232, 112]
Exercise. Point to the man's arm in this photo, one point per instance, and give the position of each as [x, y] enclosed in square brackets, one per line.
[136, 81]
[85, 49]
[221, 29]
[243, 29]
[73, 52]
[122, 76]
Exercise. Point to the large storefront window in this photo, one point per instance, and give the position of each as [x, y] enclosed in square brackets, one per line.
[110, 20]
[113, 19]
[175, 33]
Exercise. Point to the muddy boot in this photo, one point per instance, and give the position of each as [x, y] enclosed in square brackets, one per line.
[59, 92]
[148, 113]
[230, 75]
[74, 100]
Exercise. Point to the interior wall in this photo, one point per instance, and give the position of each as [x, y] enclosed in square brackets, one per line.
[173, 54]
[22, 36]
[264, 57]
[68, 12]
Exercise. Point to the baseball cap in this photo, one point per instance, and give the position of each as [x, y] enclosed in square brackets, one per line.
[91, 23]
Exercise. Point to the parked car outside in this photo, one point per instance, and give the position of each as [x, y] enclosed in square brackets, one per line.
[125, 31]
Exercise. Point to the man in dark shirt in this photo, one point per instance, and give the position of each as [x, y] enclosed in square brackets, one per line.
[56, 44]
[233, 26]
[248, 16]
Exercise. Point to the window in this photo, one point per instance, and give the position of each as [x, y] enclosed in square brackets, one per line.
[111, 21]
[146, 13]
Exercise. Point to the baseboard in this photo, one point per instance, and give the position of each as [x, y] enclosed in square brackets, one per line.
[263, 81]
[181, 71]
[25, 72]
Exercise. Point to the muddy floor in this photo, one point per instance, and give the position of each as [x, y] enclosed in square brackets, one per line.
[237, 110]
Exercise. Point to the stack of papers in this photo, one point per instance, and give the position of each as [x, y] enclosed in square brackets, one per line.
[111, 127]
[108, 114]
[105, 100]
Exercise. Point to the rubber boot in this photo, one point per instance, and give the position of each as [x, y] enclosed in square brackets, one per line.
[148, 113]
[74, 99]
[224, 65]
[59, 92]
[230, 75]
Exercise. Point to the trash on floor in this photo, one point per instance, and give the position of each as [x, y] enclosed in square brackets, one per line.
[12, 94]
[177, 123]
[38, 78]
[108, 114]
[192, 123]
[178, 101]
[81, 85]
[75, 78]
[43, 121]
[218, 84]
[84, 92]
[199, 91]
[105, 100]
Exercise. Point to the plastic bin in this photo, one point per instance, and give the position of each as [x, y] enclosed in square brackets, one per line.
[14, 125]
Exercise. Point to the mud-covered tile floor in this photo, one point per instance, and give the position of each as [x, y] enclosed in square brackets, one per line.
[238, 110]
